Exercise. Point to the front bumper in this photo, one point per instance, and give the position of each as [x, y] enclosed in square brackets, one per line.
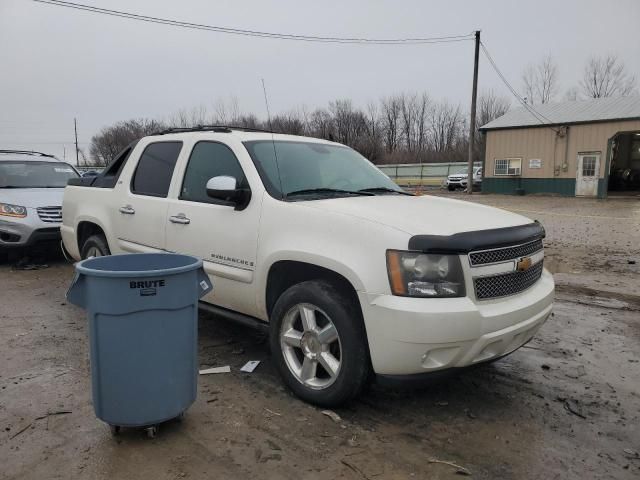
[455, 182]
[26, 232]
[410, 336]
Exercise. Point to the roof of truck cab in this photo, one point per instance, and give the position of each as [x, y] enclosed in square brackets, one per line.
[242, 135]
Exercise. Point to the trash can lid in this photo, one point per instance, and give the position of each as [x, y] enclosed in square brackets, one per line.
[138, 265]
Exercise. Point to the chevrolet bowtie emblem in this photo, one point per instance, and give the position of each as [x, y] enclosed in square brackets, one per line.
[523, 264]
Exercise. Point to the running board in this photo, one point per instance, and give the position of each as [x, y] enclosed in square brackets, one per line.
[241, 318]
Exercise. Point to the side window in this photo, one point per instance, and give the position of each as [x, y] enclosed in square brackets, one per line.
[208, 160]
[111, 173]
[155, 169]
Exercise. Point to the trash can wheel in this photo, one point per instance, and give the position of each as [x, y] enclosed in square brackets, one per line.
[152, 431]
[115, 429]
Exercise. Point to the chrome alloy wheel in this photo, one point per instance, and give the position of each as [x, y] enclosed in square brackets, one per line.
[311, 346]
[94, 252]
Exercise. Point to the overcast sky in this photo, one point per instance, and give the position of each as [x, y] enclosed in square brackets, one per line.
[57, 63]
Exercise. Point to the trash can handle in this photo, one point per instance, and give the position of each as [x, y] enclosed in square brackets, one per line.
[76, 292]
[204, 283]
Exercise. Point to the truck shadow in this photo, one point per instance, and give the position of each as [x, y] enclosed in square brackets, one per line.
[482, 391]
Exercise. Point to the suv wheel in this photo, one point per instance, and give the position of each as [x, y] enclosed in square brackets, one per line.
[319, 343]
[95, 246]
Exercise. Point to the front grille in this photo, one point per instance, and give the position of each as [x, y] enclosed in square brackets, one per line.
[505, 284]
[50, 214]
[504, 254]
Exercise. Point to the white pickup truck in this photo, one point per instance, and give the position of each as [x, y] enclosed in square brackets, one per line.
[351, 274]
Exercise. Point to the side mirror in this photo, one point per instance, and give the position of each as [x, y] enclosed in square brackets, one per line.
[225, 188]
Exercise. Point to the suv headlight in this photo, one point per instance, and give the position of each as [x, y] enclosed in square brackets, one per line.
[415, 274]
[12, 210]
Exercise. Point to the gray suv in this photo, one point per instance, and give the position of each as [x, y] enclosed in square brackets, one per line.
[31, 187]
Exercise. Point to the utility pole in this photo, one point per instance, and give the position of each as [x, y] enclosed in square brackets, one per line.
[75, 128]
[472, 122]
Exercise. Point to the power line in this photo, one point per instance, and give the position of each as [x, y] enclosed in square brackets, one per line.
[255, 33]
[538, 116]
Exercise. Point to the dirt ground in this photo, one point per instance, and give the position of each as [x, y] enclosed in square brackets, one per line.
[565, 406]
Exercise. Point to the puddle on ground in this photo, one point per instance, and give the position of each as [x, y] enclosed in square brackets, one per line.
[557, 265]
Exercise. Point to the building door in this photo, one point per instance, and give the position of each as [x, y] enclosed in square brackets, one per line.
[587, 175]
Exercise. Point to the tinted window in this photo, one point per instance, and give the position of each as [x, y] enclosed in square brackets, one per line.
[208, 160]
[155, 168]
[111, 173]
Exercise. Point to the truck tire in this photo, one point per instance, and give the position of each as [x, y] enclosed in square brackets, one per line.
[95, 246]
[319, 344]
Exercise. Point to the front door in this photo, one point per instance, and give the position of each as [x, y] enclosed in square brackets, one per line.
[587, 175]
[226, 239]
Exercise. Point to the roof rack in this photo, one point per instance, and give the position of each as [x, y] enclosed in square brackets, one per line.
[28, 152]
[210, 128]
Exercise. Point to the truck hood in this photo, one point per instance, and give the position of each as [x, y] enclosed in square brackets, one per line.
[422, 215]
[32, 197]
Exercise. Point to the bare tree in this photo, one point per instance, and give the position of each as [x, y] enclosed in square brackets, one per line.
[290, 123]
[321, 124]
[111, 140]
[607, 77]
[446, 126]
[540, 82]
[408, 109]
[403, 128]
[372, 147]
[423, 105]
[349, 123]
[490, 107]
[391, 108]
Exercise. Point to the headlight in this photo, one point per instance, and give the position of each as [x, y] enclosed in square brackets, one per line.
[414, 274]
[12, 210]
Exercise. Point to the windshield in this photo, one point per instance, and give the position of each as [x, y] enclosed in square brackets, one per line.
[315, 169]
[35, 174]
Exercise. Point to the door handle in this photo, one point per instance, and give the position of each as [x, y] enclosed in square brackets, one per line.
[127, 210]
[181, 218]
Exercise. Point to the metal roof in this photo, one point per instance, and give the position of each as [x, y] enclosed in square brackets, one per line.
[580, 111]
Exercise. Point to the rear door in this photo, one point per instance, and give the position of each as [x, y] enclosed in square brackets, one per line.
[587, 175]
[140, 211]
[226, 239]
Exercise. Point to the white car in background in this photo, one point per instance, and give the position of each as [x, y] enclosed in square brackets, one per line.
[31, 187]
[459, 180]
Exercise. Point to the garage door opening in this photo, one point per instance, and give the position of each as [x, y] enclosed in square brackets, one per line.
[624, 170]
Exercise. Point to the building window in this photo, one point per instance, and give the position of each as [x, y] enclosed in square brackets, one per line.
[589, 166]
[507, 166]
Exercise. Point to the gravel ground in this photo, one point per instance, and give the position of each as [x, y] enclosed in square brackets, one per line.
[591, 243]
[566, 406]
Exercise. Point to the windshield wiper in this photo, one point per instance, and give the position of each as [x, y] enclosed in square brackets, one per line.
[385, 189]
[307, 191]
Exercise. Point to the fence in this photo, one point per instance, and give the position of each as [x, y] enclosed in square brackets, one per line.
[423, 174]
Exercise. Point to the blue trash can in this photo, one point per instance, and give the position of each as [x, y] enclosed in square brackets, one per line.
[143, 332]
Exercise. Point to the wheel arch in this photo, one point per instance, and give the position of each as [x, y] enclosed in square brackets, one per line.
[87, 228]
[283, 274]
